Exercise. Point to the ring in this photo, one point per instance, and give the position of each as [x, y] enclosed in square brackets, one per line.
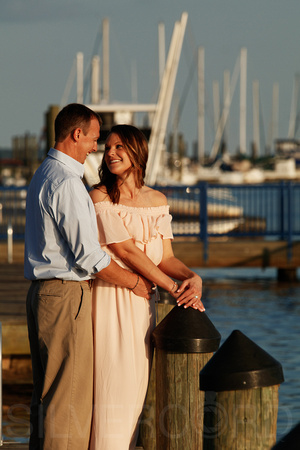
[196, 296]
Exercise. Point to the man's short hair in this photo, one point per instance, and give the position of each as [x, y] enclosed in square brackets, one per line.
[72, 116]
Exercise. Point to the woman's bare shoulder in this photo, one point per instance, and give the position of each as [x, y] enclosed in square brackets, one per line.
[156, 198]
[99, 194]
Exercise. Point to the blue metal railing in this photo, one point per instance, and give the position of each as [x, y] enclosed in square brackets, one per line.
[270, 210]
[12, 211]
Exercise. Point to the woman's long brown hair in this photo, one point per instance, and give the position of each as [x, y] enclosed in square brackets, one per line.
[136, 145]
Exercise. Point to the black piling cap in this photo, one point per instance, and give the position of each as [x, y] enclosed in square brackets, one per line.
[240, 364]
[186, 331]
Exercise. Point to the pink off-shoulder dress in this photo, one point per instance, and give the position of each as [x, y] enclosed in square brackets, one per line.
[122, 324]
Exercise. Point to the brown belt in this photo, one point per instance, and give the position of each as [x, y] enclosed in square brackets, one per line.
[90, 281]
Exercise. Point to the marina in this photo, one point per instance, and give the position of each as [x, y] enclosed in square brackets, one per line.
[235, 221]
[235, 217]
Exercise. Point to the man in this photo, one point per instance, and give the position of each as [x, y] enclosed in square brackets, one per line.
[62, 253]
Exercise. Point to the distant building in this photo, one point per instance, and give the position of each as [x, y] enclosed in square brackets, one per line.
[288, 148]
[25, 148]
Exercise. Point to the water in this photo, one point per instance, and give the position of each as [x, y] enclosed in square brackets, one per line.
[268, 313]
[249, 300]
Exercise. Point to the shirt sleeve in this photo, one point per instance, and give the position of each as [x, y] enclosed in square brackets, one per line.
[74, 215]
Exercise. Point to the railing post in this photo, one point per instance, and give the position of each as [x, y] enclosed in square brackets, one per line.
[10, 233]
[281, 209]
[203, 218]
[290, 219]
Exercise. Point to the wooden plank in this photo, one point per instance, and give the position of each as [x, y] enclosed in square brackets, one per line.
[12, 308]
[16, 370]
[15, 339]
[222, 252]
[14, 446]
[240, 253]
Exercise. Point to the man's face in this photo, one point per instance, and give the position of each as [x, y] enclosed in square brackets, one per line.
[87, 144]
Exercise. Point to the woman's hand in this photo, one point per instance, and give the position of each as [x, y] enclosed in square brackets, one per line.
[190, 293]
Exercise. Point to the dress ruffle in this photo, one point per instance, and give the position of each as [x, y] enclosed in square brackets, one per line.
[118, 223]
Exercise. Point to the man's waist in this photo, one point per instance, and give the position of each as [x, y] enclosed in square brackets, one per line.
[59, 280]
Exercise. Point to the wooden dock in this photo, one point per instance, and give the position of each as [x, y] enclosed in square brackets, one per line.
[16, 365]
[222, 252]
[231, 253]
[239, 253]
[14, 446]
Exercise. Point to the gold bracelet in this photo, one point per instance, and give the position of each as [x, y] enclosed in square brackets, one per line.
[137, 282]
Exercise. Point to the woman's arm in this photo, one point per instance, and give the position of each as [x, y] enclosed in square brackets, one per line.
[137, 260]
[191, 288]
[114, 274]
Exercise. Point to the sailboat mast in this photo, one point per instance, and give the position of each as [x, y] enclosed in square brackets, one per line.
[95, 78]
[243, 98]
[105, 95]
[161, 49]
[293, 115]
[256, 134]
[79, 64]
[216, 104]
[275, 112]
[201, 105]
[160, 119]
[226, 98]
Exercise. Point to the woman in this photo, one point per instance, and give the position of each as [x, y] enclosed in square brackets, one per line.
[135, 229]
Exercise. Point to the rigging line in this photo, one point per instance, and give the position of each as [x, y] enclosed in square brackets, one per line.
[86, 82]
[186, 89]
[192, 41]
[192, 44]
[96, 51]
[297, 122]
[69, 84]
[97, 44]
[122, 58]
[297, 118]
[192, 65]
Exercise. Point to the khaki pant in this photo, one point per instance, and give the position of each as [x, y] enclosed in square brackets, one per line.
[61, 344]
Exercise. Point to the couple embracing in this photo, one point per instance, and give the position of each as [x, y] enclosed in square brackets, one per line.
[95, 261]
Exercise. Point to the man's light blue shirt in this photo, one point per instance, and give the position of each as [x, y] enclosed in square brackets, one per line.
[61, 236]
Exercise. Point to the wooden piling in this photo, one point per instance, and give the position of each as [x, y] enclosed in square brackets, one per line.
[241, 382]
[147, 433]
[184, 341]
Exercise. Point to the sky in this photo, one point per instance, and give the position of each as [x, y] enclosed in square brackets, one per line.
[39, 40]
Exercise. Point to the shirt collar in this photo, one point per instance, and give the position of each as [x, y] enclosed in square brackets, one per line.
[74, 165]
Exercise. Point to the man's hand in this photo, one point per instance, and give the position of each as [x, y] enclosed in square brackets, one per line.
[143, 288]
